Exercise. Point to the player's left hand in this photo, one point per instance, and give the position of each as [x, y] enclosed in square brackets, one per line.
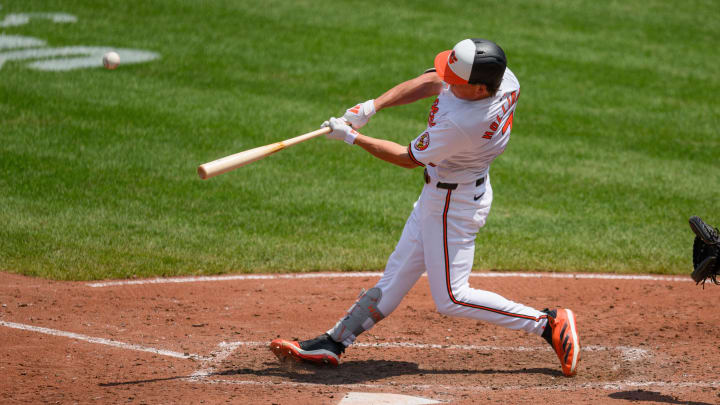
[360, 114]
[340, 130]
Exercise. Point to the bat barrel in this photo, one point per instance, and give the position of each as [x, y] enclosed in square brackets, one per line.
[224, 165]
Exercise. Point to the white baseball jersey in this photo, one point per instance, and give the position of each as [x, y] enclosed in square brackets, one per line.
[463, 137]
[461, 141]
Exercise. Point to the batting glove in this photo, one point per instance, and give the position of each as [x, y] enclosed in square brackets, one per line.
[340, 130]
[359, 115]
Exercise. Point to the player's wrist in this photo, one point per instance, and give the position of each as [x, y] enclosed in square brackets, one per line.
[350, 137]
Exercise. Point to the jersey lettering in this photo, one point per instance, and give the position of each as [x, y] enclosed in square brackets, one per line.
[433, 110]
[508, 110]
[508, 123]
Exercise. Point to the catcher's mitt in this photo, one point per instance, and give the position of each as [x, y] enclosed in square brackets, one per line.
[706, 252]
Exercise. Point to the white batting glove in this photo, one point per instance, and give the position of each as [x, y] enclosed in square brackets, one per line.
[340, 130]
[359, 115]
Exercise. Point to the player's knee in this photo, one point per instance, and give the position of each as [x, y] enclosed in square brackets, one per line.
[445, 306]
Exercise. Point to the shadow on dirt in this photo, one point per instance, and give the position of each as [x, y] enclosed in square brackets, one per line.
[152, 380]
[353, 372]
[651, 396]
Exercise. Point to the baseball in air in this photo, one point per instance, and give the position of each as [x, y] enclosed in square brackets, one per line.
[111, 60]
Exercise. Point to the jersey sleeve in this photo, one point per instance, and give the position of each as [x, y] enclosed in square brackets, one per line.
[437, 143]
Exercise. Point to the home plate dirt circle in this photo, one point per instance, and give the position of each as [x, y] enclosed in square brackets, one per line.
[192, 339]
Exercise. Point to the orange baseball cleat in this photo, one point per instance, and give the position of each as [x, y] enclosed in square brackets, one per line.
[561, 333]
[321, 350]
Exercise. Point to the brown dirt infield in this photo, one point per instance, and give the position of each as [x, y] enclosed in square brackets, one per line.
[644, 341]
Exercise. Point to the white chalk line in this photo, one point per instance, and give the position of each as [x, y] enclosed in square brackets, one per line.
[101, 341]
[629, 353]
[225, 349]
[171, 280]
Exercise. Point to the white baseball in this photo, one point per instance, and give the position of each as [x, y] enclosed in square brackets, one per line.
[111, 60]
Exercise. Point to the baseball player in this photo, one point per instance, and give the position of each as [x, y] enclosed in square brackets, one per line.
[468, 126]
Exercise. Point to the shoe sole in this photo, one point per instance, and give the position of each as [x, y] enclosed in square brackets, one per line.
[576, 342]
[284, 350]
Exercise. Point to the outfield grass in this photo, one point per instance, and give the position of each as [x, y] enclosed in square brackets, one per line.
[615, 141]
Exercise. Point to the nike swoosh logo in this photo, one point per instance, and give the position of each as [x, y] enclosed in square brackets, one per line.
[477, 197]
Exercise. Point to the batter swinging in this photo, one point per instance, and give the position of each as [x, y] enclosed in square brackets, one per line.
[468, 127]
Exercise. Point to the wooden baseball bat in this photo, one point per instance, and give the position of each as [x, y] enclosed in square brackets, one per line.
[224, 165]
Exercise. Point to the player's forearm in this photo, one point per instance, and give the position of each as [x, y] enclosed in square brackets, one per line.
[386, 150]
[423, 86]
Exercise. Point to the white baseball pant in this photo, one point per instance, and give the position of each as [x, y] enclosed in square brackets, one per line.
[439, 236]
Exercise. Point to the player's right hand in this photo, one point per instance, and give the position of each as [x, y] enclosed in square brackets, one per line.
[340, 130]
[360, 114]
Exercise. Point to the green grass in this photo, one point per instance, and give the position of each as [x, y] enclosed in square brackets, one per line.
[615, 141]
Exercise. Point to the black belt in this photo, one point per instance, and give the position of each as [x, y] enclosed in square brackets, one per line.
[450, 186]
